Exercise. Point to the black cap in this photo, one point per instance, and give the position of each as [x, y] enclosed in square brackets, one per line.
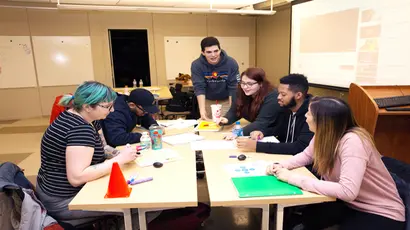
[145, 99]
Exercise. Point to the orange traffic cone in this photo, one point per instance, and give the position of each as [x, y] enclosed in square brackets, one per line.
[117, 186]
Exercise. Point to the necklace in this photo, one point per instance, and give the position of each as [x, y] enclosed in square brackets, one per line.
[78, 114]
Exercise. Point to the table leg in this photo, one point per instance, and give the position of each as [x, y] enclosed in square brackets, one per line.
[127, 219]
[265, 217]
[265, 214]
[142, 219]
[279, 217]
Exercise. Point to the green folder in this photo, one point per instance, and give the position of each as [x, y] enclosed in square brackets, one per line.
[260, 186]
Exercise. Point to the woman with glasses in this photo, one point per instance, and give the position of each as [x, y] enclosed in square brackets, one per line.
[72, 150]
[255, 101]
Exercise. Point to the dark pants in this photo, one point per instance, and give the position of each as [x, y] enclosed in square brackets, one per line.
[323, 215]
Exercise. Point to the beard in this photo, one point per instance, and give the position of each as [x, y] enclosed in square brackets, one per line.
[134, 110]
[291, 104]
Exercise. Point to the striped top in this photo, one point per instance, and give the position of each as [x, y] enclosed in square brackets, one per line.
[67, 130]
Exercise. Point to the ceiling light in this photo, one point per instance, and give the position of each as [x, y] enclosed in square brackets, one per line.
[162, 9]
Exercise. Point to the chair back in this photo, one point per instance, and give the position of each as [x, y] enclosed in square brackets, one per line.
[56, 109]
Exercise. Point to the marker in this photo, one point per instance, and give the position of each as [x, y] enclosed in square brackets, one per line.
[132, 179]
[232, 156]
[142, 180]
[139, 148]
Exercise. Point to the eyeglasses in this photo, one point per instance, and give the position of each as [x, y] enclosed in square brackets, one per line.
[109, 107]
[249, 84]
[142, 109]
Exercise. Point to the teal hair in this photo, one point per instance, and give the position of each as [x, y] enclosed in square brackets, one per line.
[89, 93]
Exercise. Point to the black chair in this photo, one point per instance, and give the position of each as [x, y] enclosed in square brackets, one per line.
[179, 105]
[400, 173]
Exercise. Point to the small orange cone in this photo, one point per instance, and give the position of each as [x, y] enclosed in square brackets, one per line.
[117, 186]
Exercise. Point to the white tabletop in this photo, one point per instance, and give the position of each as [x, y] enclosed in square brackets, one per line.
[174, 185]
[223, 193]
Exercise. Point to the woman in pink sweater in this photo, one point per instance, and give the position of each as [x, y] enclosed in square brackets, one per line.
[352, 171]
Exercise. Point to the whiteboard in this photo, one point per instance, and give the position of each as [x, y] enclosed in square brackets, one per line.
[180, 52]
[16, 62]
[63, 60]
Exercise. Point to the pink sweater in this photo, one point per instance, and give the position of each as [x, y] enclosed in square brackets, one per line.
[359, 178]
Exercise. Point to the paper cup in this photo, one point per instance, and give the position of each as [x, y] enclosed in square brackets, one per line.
[216, 112]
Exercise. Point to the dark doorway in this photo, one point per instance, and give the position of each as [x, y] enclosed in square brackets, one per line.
[129, 57]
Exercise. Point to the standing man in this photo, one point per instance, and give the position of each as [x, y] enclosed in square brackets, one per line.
[215, 77]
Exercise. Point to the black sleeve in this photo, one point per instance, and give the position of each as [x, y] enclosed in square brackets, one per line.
[288, 148]
[267, 116]
[115, 131]
[147, 120]
[231, 114]
[81, 135]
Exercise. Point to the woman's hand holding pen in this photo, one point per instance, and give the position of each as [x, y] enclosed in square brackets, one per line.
[222, 121]
[279, 171]
[246, 143]
[256, 135]
[272, 169]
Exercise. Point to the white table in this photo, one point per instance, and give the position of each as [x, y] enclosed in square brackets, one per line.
[174, 186]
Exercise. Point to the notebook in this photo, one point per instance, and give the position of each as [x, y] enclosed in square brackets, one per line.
[262, 186]
[208, 126]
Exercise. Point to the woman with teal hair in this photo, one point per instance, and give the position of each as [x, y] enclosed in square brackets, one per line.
[72, 150]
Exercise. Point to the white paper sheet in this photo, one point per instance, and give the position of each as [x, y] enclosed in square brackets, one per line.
[182, 138]
[212, 145]
[178, 124]
[270, 139]
[162, 155]
[257, 168]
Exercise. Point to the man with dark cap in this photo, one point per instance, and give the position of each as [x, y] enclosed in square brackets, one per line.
[129, 111]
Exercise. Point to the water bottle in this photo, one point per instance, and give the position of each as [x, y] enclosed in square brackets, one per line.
[141, 83]
[134, 83]
[156, 136]
[126, 90]
[237, 131]
[145, 141]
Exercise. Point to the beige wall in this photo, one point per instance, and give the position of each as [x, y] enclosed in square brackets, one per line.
[273, 49]
[269, 45]
[272, 38]
[32, 102]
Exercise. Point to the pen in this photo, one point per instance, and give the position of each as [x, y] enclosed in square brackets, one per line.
[247, 137]
[142, 180]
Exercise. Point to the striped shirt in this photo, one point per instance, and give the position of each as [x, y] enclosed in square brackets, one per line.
[67, 130]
